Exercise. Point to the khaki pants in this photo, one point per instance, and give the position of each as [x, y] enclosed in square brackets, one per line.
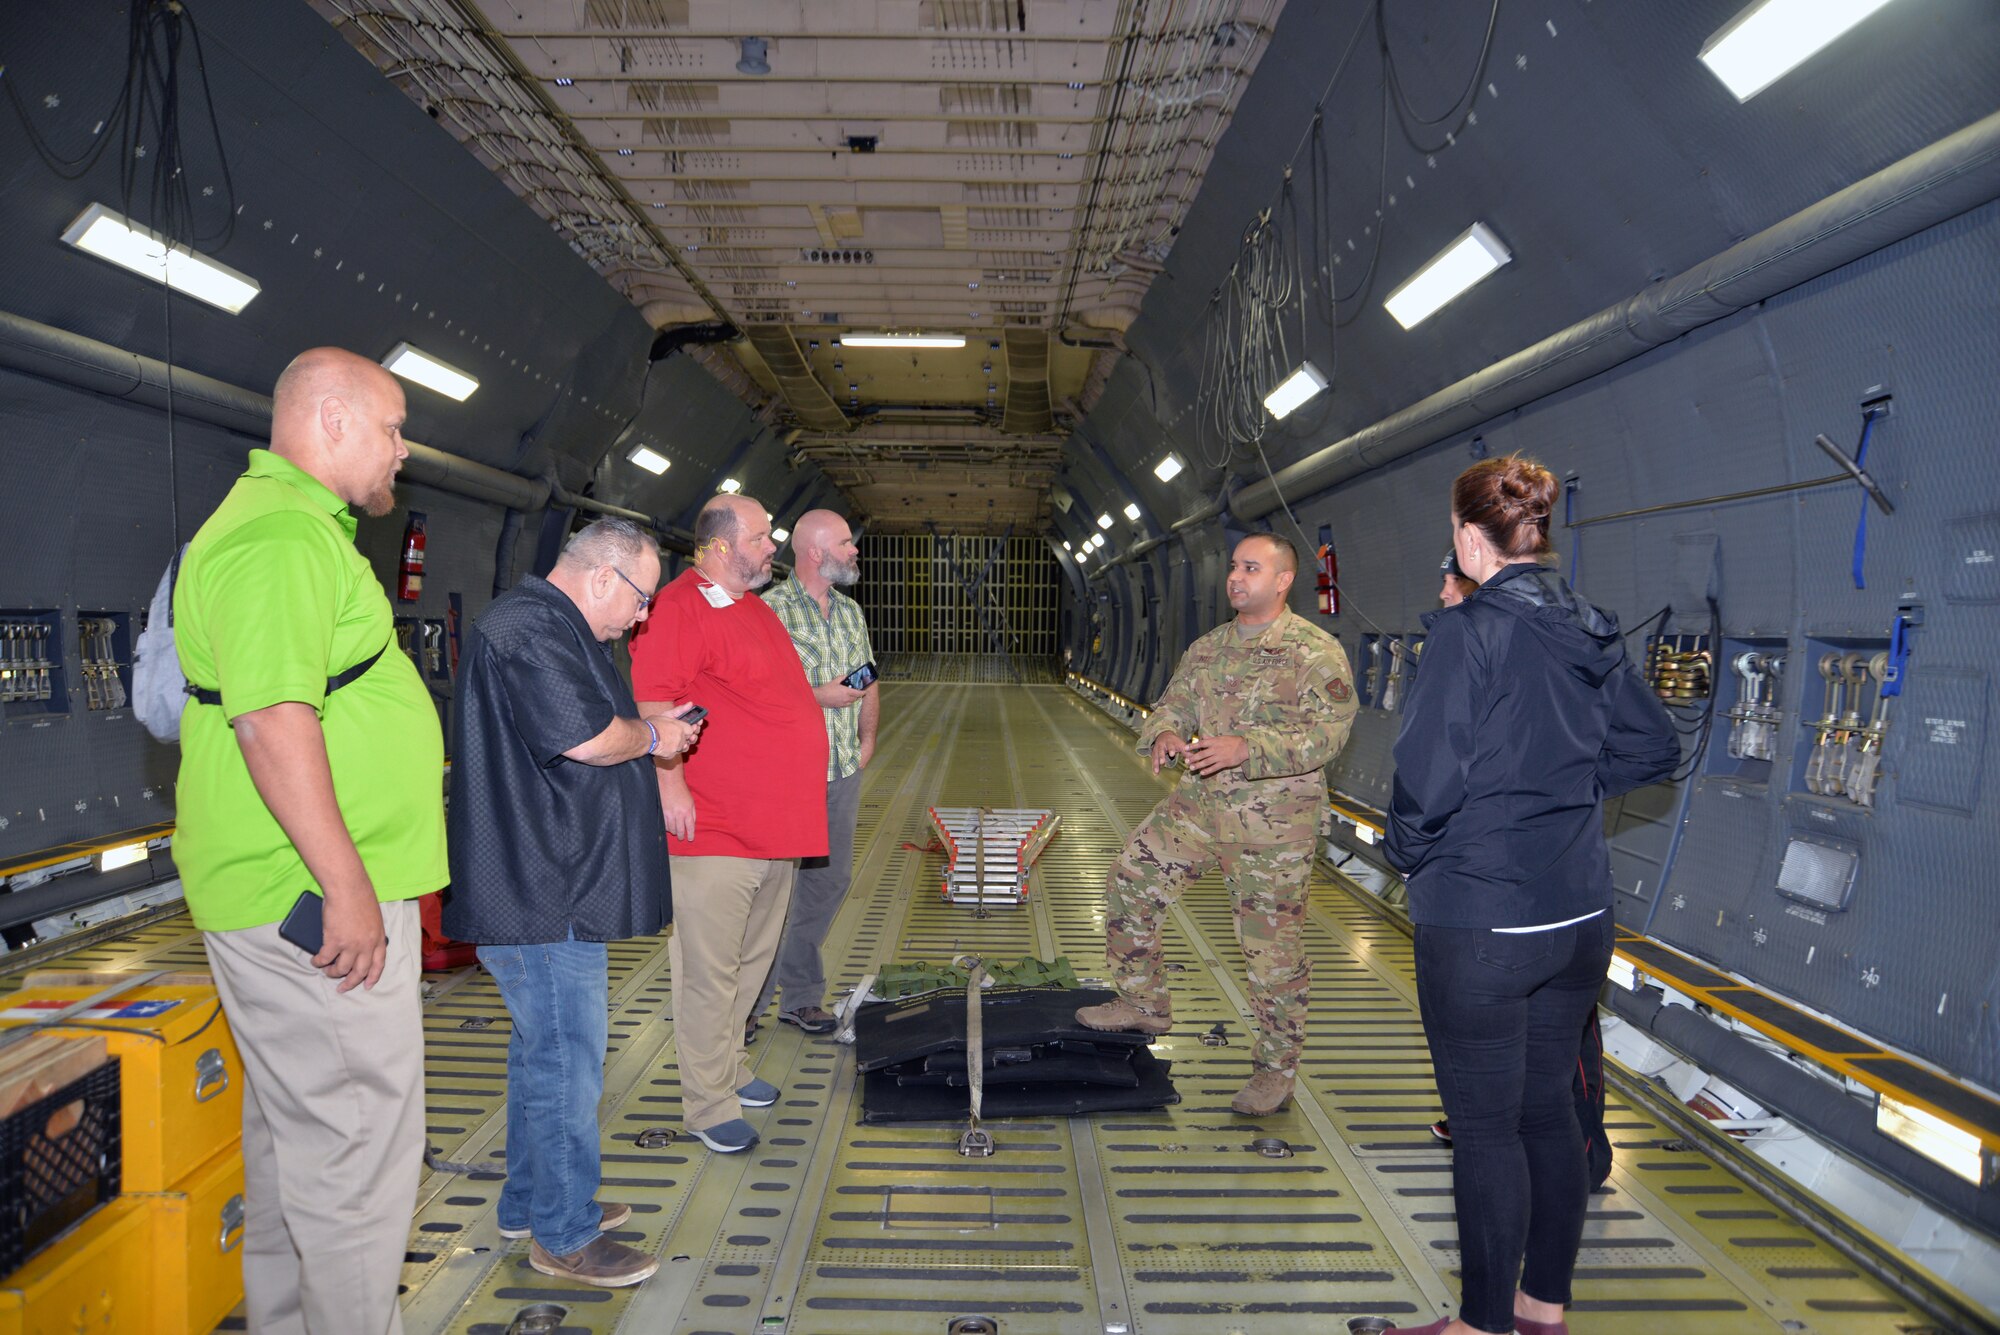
[728, 915]
[333, 1128]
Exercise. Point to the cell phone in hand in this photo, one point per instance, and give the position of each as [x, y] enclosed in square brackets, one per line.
[695, 715]
[859, 679]
[305, 925]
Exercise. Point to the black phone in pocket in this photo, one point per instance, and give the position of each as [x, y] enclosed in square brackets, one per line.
[304, 926]
[859, 679]
[695, 715]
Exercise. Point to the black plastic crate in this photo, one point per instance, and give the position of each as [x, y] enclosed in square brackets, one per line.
[48, 1182]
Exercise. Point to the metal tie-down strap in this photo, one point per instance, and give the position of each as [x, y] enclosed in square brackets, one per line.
[975, 1143]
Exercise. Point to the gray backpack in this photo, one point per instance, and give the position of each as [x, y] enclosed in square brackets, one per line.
[159, 689]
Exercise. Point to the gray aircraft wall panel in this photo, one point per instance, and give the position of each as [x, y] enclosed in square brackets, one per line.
[1730, 408]
[83, 500]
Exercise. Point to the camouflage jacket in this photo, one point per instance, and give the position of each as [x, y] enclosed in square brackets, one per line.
[1287, 692]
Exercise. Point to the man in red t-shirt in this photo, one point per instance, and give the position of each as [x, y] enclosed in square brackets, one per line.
[742, 807]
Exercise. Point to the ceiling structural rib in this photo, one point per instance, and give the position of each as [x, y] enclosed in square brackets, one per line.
[909, 469]
[985, 167]
[472, 85]
[809, 401]
[1027, 383]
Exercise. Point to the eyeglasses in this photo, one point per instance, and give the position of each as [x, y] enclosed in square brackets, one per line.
[645, 599]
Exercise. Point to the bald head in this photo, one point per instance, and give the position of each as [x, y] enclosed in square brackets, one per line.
[824, 546]
[339, 417]
[732, 543]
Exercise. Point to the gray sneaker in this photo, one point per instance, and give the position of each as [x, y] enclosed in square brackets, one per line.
[607, 1264]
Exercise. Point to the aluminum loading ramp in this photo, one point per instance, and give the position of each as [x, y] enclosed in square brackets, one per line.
[1159, 1223]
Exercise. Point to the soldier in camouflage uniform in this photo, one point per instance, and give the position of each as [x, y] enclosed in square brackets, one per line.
[1256, 707]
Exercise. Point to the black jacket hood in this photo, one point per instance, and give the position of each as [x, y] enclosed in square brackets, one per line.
[1582, 637]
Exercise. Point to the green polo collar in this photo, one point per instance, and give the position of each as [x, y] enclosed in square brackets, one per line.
[263, 463]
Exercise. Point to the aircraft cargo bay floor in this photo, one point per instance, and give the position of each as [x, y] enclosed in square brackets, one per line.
[1155, 1222]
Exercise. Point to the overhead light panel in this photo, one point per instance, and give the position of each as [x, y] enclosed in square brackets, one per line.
[1472, 255]
[1096, 541]
[415, 365]
[124, 855]
[1939, 1141]
[1104, 521]
[781, 535]
[1294, 390]
[110, 236]
[1066, 546]
[650, 460]
[902, 340]
[1756, 48]
[730, 485]
[1132, 511]
[1168, 468]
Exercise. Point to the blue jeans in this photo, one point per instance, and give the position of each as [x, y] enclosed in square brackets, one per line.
[558, 995]
[1504, 1017]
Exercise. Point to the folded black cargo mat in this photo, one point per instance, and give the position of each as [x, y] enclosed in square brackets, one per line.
[888, 1033]
[883, 1100]
[949, 1069]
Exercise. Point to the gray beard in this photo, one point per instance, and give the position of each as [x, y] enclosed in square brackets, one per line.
[844, 575]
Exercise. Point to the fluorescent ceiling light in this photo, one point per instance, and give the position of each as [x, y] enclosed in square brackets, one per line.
[1294, 390]
[1475, 253]
[109, 236]
[902, 340]
[1096, 540]
[1168, 468]
[780, 535]
[1132, 511]
[1756, 48]
[413, 363]
[1104, 521]
[1066, 546]
[730, 485]
[125, 855]
[1084, 554]
[1933, 1137]
[650, 460]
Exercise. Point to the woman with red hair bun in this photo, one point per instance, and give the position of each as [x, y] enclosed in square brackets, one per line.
[1527, 715]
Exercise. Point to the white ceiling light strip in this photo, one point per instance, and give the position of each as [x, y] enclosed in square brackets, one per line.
[113, 237]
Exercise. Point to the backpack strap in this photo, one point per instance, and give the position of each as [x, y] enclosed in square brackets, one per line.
[203, 695]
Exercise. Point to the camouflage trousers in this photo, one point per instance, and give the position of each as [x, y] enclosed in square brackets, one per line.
[1172, 849]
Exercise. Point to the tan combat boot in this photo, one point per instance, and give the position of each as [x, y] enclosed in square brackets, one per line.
[1121, 1016]
[1267, 1092]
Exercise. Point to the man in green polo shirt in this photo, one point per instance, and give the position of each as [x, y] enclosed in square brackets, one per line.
[312, 763]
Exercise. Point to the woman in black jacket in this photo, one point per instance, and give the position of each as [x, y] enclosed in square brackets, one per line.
[1526, 716]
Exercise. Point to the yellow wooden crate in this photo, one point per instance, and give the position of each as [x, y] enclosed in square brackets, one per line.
[198, 1246]
[182, 1086]
[98, 1279]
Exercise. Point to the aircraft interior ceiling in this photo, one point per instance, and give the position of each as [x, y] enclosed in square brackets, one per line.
[1758, 339]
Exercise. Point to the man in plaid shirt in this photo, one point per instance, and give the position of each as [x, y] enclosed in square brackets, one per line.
[832, 639]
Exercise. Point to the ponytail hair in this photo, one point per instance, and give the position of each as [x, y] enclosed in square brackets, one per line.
[1509, 499]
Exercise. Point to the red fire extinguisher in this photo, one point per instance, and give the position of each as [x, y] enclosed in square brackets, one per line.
[410, 570]
[1329, 582]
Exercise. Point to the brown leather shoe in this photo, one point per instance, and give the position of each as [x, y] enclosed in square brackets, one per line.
[615, 1215]
[607, 1264]
[1121, 1016]
[1265, 1094]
